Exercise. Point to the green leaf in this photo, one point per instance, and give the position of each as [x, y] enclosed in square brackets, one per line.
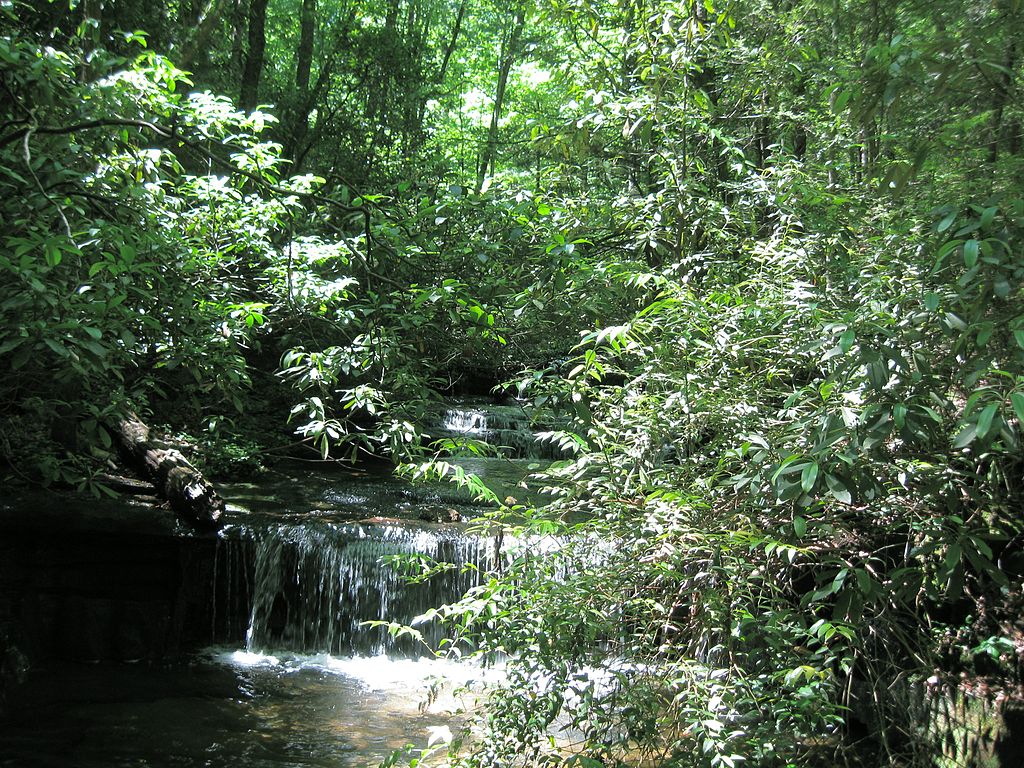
[56, 347]
[1017, 401]
[946, 222]
[945, 250]
[53, 254]
[97, 349]
[799, 526]
[970, 253]
[838, 489]
[786, 466]
[808, 477]
[985, 331]
[966, 436]
[985, 419]
[841, 100]
[10, 344]
[899, 415]
[931, 302]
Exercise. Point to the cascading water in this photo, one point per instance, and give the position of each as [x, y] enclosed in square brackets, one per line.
[506, 427]
[314, 585]
[293, 676]
[465, 422]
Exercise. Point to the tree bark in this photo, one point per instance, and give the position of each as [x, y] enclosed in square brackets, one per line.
[1000, 98]
[304, 54]
[248, 96]
[189, 493]
[509, 53]
[304, 100]
[196, 47]
[452, 42]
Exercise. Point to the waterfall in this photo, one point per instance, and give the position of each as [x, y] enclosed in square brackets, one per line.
[465, 422]
[310, 586]
[507, 427]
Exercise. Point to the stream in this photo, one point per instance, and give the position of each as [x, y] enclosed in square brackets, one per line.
[158, 647]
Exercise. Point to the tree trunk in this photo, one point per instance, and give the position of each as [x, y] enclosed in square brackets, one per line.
[239, 14]
[304, 54]
[301, 142]
[452, 42]
[1000, 98]
[248, 96]
[509, 53]
[196, 47]
[189, 493]
[304, 100]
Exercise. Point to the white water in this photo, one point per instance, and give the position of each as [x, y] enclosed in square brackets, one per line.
[465, 422]
[314, 586]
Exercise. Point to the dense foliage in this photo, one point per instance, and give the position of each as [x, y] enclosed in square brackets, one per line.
[760, 261]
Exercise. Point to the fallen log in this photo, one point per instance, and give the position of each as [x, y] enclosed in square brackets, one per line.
[126, 486]
[189, 493]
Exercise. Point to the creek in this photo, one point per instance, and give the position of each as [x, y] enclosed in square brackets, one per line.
[134, 642]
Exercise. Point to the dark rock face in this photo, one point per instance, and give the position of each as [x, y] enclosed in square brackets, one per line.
[101, 582]
[13, 666]
[1009, 746]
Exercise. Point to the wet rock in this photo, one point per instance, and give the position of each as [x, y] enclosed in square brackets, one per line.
[14, 667]
[440, 515]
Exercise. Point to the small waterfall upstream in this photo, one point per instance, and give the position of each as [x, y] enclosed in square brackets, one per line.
[305, 563]
[309, 587]
[506, 427]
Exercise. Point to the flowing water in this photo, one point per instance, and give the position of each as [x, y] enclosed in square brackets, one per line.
[294, 675]
[232, 708]
[507, 428]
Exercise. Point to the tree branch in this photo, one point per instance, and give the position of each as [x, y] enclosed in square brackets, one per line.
[24, 134]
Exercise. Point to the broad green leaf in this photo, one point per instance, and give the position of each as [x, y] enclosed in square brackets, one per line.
[966, 436]
[787, 466]
[1017, 401]
[60, 349]
[899, 415]
[971, 253]
[985, 419]
[838, 489]
[53, 254]
[864, 581]
[841, 100]
[10, 344]
[985, 331]
[808, 477]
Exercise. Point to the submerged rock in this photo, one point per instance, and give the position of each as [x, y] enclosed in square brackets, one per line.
[440, 515]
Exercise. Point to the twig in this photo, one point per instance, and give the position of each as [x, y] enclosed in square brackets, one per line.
[27, 155]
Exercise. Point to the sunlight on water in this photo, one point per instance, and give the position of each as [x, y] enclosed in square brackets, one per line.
[378, 673]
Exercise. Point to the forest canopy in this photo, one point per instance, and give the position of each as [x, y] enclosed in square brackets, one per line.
[756, 266]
